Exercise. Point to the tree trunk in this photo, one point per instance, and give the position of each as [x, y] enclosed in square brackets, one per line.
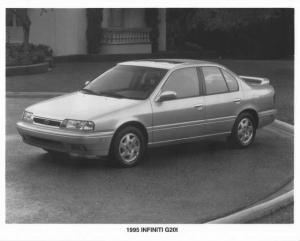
[26, 31]
[22, 16]
[26, 28]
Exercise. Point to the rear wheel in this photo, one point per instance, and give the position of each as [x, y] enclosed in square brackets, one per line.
[244, 130]
[128, 147]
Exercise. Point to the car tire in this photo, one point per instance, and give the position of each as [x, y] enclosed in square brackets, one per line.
[128, 147]
[243, 131]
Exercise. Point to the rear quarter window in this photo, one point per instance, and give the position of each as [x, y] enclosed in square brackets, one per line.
[231, 81]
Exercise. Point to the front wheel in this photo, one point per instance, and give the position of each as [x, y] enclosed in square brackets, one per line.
[244, 130]
[128, 147]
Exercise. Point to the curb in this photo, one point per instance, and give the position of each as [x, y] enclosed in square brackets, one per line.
[257, 211]
[283, 126]
[267, 207]
[27, 69]
[280, 127]
[34, 94]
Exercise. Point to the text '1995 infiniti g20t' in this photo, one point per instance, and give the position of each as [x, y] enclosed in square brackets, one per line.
[145, 103]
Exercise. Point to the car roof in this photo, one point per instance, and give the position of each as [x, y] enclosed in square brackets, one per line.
[167, 63]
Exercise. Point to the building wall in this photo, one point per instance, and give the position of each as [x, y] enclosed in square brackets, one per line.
[64, 30]
[131, 18]
[134, 18]
[42, 29]
[126, 31]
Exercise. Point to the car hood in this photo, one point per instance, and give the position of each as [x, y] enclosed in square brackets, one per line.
[79, 106]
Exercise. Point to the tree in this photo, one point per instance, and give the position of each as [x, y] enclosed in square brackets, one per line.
[24, 19]
[227, 19]
[22, 15]
[244, 32]
[181, 21]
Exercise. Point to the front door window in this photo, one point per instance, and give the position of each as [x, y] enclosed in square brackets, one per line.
[184, 82]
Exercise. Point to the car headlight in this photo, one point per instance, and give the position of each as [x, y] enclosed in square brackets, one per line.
[27, 116]
[78, 125]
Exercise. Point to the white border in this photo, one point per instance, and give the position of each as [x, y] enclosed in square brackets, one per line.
[151, 3]
[118, 232]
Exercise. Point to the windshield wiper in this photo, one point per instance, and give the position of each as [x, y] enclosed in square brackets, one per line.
[111, 94]
[88, 91]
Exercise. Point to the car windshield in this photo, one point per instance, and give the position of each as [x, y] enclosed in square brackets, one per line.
[122, 81]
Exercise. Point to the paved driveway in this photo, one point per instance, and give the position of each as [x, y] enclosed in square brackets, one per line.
[188, 183]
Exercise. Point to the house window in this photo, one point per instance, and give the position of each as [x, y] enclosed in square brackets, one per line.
[14, 30]
[9, 18]
[12, 20]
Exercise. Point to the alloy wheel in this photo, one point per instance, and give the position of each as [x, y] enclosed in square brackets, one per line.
[245, 131]
[129, 147]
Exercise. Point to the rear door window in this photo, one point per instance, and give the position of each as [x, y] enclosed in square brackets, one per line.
[214, 80]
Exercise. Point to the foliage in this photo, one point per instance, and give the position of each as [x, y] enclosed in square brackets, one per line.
[228, 19]
[94, 29]
[233, 33]
[152, 20]
[16, 55]
[22, 15]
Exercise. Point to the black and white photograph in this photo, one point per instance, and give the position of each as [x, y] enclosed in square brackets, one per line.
[149, 117]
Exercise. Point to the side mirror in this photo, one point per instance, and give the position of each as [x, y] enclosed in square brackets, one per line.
[167, 95]
[87, 82]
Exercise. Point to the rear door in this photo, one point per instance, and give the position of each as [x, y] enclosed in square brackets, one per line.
[183, 117]
[222, 99]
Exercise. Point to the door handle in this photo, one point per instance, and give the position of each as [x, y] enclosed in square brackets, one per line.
[199, 107]
[237, 101]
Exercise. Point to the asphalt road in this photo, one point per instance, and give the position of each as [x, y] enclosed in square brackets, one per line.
[188, 183]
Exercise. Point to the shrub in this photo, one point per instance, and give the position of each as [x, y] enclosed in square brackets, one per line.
[15, 54]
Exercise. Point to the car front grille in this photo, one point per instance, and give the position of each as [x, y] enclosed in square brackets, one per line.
[46, 121]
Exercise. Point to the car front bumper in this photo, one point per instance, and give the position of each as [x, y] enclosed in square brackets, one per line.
[75, 143]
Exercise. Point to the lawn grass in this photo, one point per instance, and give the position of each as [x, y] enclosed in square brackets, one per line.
[66, 77]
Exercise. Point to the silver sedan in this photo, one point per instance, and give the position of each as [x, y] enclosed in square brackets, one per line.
[146, 103]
